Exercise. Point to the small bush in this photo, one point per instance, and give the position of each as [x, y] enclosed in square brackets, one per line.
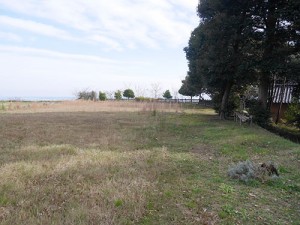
[292, 115]
[261, 116]
[243, 171]
[232, 105]
[143, 99]
[246, 171]
[118, 202]
[102, 96]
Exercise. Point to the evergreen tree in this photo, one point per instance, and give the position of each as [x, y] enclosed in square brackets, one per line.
[167, 94]
[187, 89]
[102, 96]
[240, 43]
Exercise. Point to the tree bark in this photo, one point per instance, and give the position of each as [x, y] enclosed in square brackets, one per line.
[225, 98]
[265, 76]
[263, 90]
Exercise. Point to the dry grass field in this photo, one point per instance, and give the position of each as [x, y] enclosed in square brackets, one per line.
[138, 163]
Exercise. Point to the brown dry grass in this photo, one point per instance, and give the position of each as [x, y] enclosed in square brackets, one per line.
[75, 167]
[136, 163]
[77, 186]
[90, 106]
[78, 162]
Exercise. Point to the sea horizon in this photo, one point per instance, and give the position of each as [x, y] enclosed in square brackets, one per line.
[37, 98]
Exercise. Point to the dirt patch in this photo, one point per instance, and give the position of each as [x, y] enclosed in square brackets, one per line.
[203, 151]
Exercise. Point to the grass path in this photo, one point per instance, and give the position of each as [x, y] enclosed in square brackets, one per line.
[141, 167]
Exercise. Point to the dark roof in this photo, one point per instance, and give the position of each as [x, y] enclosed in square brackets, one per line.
[283, 92]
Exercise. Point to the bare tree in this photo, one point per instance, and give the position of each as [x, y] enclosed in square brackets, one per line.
[139, 90]
[175, 93]
[155, 89]
[110, 94]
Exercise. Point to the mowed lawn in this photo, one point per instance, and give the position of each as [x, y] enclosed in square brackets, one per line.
[130, 163]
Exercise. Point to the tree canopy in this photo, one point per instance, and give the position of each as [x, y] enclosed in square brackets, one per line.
[118, 95]
[128, 93]
[167, 94]
[242, 43]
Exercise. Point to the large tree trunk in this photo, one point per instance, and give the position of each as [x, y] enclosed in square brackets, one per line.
[224, 103]
[263, 91]
[265, 76]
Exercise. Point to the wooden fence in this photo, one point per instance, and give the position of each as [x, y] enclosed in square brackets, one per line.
[188, 101]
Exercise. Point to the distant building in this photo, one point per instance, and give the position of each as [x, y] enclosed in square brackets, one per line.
[282, 96]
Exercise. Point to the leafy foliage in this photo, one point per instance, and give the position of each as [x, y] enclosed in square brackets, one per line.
[239, 44]
[292, 115]
[261, 116]
[187, 89]
[118, 95]
[128, 93]
[167, 94]
[102, 96]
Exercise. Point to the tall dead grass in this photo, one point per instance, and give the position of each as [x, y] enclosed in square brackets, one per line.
[91, 106]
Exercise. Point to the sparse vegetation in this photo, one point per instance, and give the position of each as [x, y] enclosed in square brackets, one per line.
[87, 95]
[107, 162]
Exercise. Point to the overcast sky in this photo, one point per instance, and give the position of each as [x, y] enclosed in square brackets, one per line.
[57, 47]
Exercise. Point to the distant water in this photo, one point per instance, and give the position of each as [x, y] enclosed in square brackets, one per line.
[35, 98]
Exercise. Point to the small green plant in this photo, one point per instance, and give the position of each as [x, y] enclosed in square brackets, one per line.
[226, 189]
[3, 107]
[226, 211]
[118, 202]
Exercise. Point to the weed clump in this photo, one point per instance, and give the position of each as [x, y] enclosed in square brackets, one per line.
[3, 107]
[243, 171]
[246, 171]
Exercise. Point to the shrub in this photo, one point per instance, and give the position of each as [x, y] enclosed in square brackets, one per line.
[143, 99]
[102, 96]
[292, 115]
[243, 171]
[118, 95]
[261, 116]
[86, 95]
[246, 171]
[233, 103]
